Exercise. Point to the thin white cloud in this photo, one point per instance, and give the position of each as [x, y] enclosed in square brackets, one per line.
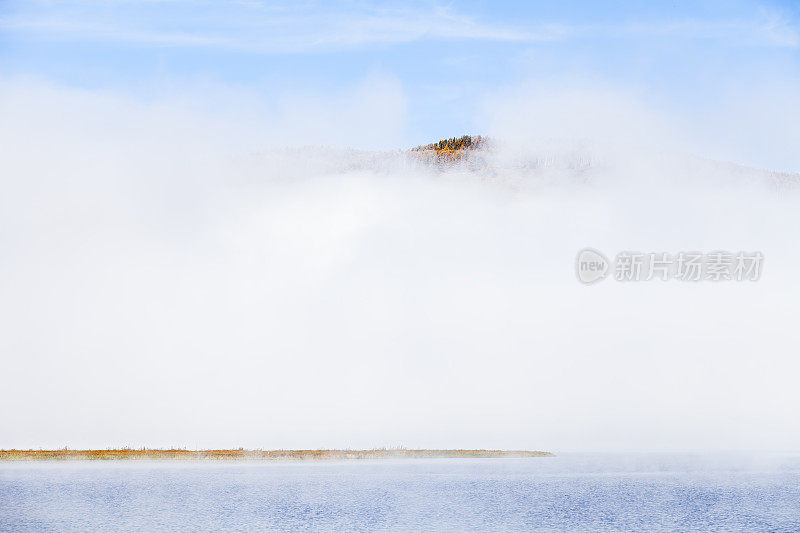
[58, 29]
[248, 27]
[770, 30]
[255, 27]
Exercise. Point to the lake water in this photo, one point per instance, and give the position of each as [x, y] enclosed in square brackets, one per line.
[565, 493]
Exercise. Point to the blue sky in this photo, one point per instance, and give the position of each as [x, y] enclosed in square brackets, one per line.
[447, 58]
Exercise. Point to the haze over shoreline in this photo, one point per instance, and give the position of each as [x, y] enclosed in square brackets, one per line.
[259, 455]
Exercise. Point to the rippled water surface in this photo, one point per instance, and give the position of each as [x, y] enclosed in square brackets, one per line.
[565, 493]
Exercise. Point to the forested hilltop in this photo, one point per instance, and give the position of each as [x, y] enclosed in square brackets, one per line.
[465, 149]
[524, 164]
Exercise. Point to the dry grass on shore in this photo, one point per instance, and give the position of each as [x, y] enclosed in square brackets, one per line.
[256, 455]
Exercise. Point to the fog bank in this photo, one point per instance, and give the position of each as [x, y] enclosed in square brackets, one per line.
[176, 278]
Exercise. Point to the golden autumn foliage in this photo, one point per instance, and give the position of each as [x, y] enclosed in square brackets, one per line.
[465, 150]
[256, 455]
[465, 142]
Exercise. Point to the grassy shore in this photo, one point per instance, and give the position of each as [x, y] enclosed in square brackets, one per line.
[255, 455]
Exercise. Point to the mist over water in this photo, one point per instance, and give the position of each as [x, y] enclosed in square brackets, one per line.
[174, 278]
[571, 492]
